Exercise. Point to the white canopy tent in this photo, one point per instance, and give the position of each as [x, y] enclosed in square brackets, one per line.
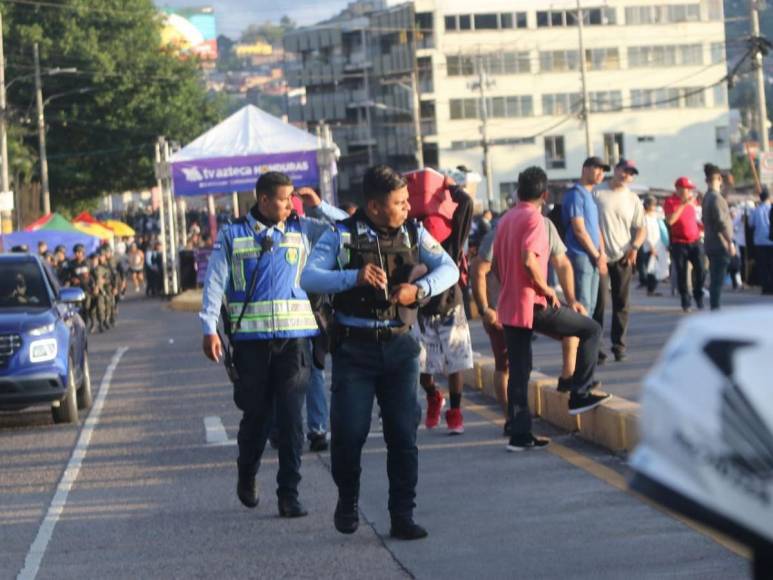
[231, 156]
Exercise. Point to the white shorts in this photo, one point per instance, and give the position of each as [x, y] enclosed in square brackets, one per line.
[446, 345]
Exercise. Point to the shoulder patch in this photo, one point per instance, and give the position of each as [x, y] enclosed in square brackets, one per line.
[217, 245]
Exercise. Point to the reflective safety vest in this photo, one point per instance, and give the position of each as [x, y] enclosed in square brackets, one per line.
[278, 307]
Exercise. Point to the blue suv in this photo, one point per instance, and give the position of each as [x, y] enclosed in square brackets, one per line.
[43, 340]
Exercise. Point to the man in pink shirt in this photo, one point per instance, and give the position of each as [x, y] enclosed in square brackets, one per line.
[527, 304]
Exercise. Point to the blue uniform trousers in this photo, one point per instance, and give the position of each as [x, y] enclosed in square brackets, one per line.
[273, 374]
[388, 371]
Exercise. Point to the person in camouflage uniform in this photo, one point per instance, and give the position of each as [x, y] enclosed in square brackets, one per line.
[101, 292]
[115, 283]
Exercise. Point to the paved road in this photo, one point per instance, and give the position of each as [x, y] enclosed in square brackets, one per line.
[652, 320]
[153, 499]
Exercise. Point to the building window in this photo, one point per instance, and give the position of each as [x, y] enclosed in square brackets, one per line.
[715, 10]
[694, 98]
[559, 61]
[561, 103]
[521, 20]
[463, 108]
[720, 95]
[722, 137]
[645, 139]
[486, 21]
[451, 23]
[717, 52]
[602, 59]
[507, 189]
[663, 14]
[506, 21]
[665, 55]
[606, 101]
[465, 22]
[555, 155]
[495, 63]
[671, 98]
[591, 17]
[613, 147]
[460, 145]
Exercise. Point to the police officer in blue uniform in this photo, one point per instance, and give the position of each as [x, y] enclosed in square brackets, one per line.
[256, 265]
[379, 266]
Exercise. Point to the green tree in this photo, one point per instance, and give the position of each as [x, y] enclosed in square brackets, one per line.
[104, 118]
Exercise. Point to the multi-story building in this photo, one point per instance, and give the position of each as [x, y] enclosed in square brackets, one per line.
[654, 75]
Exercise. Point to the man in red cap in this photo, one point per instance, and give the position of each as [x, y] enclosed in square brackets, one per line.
[686, 246]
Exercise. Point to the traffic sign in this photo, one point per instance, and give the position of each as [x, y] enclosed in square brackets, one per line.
[6, 201]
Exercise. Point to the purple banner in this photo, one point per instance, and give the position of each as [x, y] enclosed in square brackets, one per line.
[227, 174]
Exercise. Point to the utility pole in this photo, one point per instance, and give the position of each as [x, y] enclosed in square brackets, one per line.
[366, 89]
[4, 180]
[416, 105]
[41, 135]
[482, 85]
[583, 76]
[759, 77]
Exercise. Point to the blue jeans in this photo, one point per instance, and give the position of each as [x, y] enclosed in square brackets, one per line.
[718, 264]
[316, 402]
[586, 281]
[388, 371]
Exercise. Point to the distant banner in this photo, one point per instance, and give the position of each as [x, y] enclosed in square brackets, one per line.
[228, 174]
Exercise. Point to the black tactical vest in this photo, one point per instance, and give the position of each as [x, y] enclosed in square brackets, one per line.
[396, 253]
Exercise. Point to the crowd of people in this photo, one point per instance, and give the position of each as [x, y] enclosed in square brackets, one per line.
[388, 295]
[105, 275]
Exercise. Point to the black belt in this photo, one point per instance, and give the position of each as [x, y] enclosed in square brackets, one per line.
[380, 334]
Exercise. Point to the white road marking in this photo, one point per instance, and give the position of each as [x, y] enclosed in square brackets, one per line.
[38, 549]
[214, 430]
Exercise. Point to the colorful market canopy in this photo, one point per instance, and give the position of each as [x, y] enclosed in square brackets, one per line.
[232, 155]
[95, 229]
[86, 217]
[53, 222]
[52, 237]
[119, 228]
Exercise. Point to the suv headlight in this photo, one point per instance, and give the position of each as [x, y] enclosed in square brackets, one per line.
[41, 330]
[43, 350]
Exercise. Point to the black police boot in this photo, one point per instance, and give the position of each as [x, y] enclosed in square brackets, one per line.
[291, 507]
[347, 516]
[404, 528]
[245, 489]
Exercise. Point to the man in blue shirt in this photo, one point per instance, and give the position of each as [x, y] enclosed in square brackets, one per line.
[371, 262]
[584, 242]
[762, 243]
[256, 266]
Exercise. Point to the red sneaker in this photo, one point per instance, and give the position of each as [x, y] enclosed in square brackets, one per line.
[455, 421]
[435, 404]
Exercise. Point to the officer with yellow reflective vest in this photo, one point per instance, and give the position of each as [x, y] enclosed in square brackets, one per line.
[256, 266]
[379, 266]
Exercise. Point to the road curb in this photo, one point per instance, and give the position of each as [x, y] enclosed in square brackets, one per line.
[613, 425]
[188, 301]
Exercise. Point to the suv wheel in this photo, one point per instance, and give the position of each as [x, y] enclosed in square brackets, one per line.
[67, 411]
[84, 393]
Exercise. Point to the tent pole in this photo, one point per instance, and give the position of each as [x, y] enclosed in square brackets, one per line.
[172, 225]
[212, 217]
[235, 203]
[160, 167]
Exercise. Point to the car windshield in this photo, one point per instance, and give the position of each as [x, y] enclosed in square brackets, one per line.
[22, 285]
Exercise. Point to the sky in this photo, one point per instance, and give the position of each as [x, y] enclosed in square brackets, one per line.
[233, 16]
